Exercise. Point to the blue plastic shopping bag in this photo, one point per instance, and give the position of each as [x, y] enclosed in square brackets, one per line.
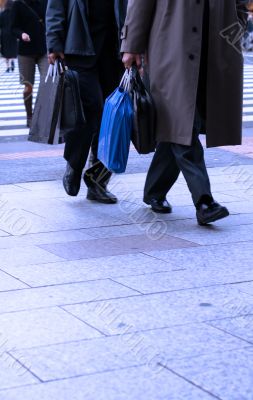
[116, 128]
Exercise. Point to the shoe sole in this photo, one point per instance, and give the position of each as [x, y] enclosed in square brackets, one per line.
[94, 198]
[72, 194]
[222, 214]
[168, 211]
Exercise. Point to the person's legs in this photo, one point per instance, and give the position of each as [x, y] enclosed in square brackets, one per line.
[110, 70]
[27, 75]
[7, 65]
[190, 160]
[162, 174]
[77, 146]
[43, 65]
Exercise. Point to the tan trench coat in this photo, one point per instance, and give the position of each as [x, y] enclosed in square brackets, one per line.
[171, 32]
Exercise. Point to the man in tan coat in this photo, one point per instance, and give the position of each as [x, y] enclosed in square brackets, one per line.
[196, 74]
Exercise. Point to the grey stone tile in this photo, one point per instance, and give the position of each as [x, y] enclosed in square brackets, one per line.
[8, 282]
[103, 354]
[42, 185]
[241, 327]
[127, 384]
[3, 234]
[26, 256]
[161, 310]
[186, 279]
[246, 287]
[230, 257]
[26, 329]
[11, 189]
[13, 374]
[91, 269]
[218, 234]
[114, 246]
[43, 238]
[243, 207]
[227, 375]
[28, 299]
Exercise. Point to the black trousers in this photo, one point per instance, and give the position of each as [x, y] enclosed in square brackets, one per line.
[98, 77]
[169, 159]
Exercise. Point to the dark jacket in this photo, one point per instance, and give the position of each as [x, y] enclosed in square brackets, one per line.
[9, 44]
[67, 27]
[28, 16]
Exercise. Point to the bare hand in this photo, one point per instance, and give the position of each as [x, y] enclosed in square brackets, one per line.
[130, 58]
[53, 56]
[26, 37]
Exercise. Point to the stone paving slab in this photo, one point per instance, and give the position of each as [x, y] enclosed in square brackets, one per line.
[152, 311]
[26, 255]
[114, 246]
[218, 235]
[85, 270]
[234, 367]
[13, 374]
[240, 327]
[8, 282]
[61, 361]
[26, 329]
[185, 279]
[43, 238]
[125, 384]
[72, 293]
[228, 257]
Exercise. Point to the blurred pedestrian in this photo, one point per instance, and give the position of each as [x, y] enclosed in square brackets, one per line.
[28, 25]
[86, 33]
[197, 84]
[8, 40]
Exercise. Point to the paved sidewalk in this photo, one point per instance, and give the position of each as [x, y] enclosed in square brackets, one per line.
[103, 302]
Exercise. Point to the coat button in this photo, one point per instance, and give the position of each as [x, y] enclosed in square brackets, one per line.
[194, 29]
[191, 57]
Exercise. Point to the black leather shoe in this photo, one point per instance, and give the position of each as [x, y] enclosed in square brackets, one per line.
[210, 213]
[101, 195]
[71, 181]
[159, 206]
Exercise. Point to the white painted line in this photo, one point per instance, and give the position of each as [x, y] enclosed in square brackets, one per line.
[247, 118]
[14, 114]
[13, 122]
[14, 132]
[248, 109]
[11, 108]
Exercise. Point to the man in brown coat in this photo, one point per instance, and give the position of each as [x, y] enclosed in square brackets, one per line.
[196, 74]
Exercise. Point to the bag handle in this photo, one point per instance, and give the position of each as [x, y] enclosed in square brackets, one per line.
[58, 68]
[126, 80]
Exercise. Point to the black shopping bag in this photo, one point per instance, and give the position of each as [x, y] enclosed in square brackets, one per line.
[143, 136]
[46, 117]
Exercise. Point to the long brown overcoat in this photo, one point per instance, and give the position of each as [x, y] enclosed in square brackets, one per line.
[171, 33]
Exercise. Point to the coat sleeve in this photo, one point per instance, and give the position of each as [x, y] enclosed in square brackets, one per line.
[56, 15]
[16, 29]
[135, 32]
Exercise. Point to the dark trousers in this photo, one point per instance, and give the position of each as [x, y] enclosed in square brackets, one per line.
[169, 159]
[98, 77]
